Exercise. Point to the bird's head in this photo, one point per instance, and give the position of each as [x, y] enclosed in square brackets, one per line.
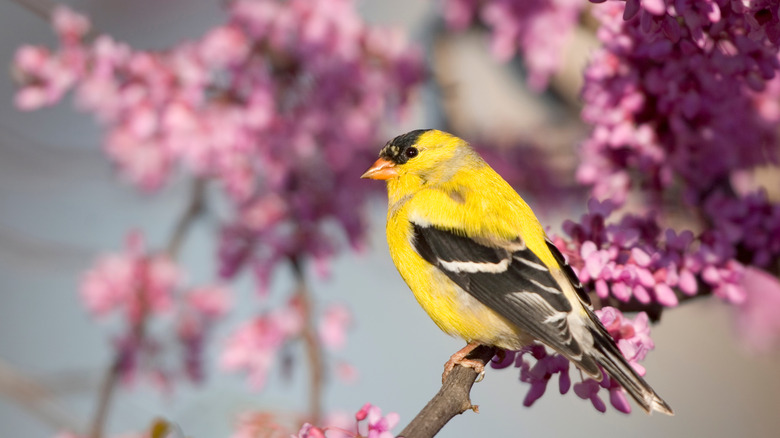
[426, 155]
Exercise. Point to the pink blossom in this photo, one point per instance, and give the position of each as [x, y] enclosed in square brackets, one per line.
[224, 46]
[133, 282]
[211, 301]
[757, 320]
[309, 431]
[339, 426]
[68, 24]
[333, 326]
[379, 426]
[108, 285]
[346, 372]
[281, 104]
[254, 345]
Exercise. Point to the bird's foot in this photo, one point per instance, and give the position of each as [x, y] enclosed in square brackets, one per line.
[459, 358]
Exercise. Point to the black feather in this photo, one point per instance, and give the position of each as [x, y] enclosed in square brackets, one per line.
[395, 149]
[525, 295]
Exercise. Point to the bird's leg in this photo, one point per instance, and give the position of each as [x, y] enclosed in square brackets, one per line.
[459, 358]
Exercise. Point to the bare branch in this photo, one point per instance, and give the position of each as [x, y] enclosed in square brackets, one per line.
[452, 399]
[194, 209]
[105, 397]
[312, 344]
[36, 398]
[41, 8]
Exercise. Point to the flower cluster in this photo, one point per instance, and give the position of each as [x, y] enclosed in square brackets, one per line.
[138, 285]
[678, 94]
[634, 259]
[133, 283]
[750, 223]
[683, 101]
[376, 426]
[522, 27]
[254, 346]
[632, 337]
[282, 104]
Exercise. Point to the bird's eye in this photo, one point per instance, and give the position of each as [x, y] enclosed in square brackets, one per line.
[411, 152]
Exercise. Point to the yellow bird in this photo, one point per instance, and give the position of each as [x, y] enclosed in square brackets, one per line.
[480, 264]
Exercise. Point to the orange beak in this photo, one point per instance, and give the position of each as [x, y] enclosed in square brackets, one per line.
[382, 169]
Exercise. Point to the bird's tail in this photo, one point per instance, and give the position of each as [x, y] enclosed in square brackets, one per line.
[617, 367]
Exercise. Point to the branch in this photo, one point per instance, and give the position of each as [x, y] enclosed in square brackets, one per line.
[41, 8]
[35, 397]
[311, 342]
[192, 211]
[452, 399]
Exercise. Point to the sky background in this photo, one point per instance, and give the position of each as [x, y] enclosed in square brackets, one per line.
[60, 207]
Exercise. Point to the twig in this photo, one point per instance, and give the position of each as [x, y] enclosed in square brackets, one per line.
[192, 211]
[311, 342]
[195, 208]
[41, 8]
[36, 398]
[452, 399]
[104, 397]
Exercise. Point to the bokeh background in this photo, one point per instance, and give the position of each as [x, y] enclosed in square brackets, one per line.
[61, 206]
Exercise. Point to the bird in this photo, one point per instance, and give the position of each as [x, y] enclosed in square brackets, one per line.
[480, 264]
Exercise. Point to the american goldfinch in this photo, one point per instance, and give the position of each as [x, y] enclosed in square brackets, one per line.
[480, 264]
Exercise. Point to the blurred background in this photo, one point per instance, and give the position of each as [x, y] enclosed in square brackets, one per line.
[62, 206]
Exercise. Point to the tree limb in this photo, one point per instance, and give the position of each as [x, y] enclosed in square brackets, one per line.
[41, 8]
[35, 397]
[311, 344]
[192, 211]
[452, 399]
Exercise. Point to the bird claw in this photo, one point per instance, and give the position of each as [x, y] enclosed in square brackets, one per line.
[459, 358]
[476, 365]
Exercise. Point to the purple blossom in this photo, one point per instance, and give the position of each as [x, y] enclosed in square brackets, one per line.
[634, 259]
[670, 80]
[632, 337]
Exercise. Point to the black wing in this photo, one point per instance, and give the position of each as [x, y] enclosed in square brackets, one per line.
[510, 280]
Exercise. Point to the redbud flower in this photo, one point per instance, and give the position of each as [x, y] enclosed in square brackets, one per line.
[333, 326]
[253, 347]
[632, 337]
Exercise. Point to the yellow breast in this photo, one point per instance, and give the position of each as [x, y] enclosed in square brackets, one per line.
[451, 308]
